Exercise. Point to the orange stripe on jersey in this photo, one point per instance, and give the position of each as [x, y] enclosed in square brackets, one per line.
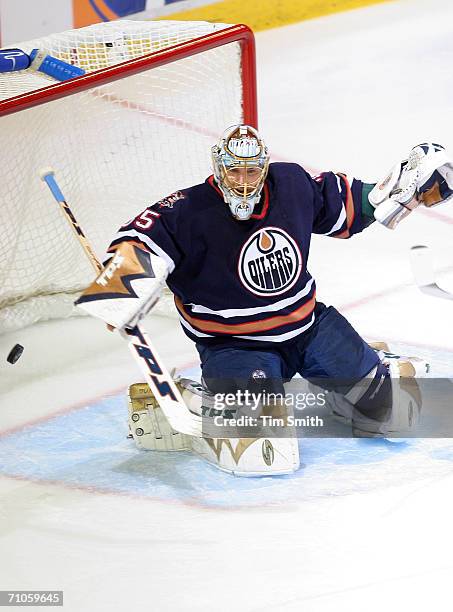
[349, 205]
[253, 326]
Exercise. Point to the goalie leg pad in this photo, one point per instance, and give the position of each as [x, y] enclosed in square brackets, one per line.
[255, 455]
[249, 456]
[238, 456]
[149, 426]
[252, 456]
[388, 401]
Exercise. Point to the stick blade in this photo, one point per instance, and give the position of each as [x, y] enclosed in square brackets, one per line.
[424, 274]
[422, 265]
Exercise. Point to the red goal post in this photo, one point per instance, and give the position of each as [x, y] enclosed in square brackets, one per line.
[137, 126]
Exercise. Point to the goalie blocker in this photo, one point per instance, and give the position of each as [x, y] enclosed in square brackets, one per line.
[128, 287]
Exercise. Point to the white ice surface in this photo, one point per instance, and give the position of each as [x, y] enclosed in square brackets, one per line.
[362, 526]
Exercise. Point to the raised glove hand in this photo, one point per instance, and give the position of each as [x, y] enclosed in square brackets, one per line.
[438, 187]
[426, 177]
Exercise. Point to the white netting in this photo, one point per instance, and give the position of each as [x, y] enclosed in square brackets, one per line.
[114, 148]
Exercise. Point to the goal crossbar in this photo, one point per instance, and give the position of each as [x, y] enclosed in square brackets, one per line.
[241, 34]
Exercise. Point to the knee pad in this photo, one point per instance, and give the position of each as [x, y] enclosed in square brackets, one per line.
[386, 403]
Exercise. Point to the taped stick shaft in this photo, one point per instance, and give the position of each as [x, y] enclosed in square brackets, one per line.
[49, 179]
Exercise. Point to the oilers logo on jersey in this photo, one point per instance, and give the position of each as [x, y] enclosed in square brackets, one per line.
[270, 262]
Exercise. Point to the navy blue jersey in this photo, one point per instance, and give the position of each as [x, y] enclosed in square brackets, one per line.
[247, 282]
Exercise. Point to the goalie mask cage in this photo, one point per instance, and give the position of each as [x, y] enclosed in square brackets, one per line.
[136, 127]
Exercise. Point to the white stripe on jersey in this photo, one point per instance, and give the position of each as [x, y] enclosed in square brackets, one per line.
[276, 338]
[246, 312]
[150, 243]
[342, 217]
[192, 330]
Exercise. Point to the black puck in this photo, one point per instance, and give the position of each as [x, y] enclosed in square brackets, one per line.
[15, 353]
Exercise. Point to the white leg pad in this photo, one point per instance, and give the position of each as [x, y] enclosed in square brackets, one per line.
[250, 456]
[238, 456]
[149, 426]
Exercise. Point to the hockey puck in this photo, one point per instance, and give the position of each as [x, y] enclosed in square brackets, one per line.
[15, 353]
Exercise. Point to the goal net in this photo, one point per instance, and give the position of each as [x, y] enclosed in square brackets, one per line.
[137, 126]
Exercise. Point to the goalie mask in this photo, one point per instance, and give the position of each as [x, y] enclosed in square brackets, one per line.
[240, 162]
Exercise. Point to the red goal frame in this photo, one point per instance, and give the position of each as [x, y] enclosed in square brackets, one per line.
[237, 33]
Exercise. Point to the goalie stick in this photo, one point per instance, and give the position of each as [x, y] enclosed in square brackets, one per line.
[424, 275]
[157, 376]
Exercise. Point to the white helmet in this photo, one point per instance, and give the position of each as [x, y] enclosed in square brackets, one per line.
[240, 162]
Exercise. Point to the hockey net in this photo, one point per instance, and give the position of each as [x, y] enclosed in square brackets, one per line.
[137, 126]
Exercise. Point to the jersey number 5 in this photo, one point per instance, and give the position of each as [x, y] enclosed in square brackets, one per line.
[146, 219]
